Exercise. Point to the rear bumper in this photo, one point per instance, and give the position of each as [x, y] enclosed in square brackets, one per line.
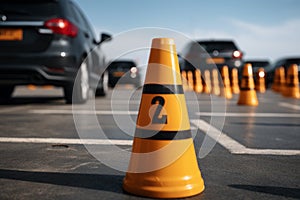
[37, 69]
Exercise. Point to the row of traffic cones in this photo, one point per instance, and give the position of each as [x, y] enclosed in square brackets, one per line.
[287, 85]
[212, 85]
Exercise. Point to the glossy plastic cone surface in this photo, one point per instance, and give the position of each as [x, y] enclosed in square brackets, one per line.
[190, 80]
[235, 88]
[276, 81]
[207, 82]
[260, 85]
[184, 81]
[292, 82]
[282, 81]
[247, 94]
[225, 89]
[215, 82]
[198, 84]
[163, 163]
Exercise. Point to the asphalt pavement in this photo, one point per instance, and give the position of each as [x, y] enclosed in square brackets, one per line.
[50, 150]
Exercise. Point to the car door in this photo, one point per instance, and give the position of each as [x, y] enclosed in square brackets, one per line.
[91, 43]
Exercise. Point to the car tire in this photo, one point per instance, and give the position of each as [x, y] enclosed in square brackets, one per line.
[6, 92]
[102, 90]
[78, 91]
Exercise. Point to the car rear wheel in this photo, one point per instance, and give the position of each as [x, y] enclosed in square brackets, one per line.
[78, 92]
[6, 92]
[102, 90]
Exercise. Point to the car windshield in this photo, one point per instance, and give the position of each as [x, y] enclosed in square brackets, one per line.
[121, 65]
[20, 10]
[220, 46]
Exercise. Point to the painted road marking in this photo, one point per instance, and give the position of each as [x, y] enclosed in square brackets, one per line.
[120, 112]
[84, 112]
[227, 142]
[235, 147]
[288, 105]
[12, 109]
[65, 141]
[226, 114]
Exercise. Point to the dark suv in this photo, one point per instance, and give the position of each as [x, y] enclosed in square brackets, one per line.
[47, 42]
[205, 53]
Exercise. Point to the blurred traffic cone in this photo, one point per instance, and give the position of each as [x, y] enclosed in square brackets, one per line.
[190, 80]
[163, 163]
[282, 81]
[260, 85]
[275, 85]
[198, 84]
[184, 81]
[215, 82]
[247, 93]
[292, 82]
[31, 87]
[207, 82]
[225, 87]
[235, 81]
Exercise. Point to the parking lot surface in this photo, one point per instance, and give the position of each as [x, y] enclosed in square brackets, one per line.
[256, 156]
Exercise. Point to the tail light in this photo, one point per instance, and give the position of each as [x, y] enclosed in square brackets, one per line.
[62, 26]
[237, 54]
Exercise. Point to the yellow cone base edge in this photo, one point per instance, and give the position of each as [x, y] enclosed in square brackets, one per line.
[180, 179]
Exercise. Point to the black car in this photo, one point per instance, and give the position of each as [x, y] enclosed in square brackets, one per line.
[46, 42]
[123, 72]
[283, 62]
[205, 53]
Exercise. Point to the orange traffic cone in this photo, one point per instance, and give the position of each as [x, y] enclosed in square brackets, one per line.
[225, 87]
[292, 82]
[31, 87]
[260, 85]
[282, 81]
[215, 82]
[163, 163]
[198, 83]
[235, 89]
[190, 80]
[184, 81]
[207, 82]
[247, 93]
[275, 85]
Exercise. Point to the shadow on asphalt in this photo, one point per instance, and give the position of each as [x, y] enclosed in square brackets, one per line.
[89, 181]
[279, 191]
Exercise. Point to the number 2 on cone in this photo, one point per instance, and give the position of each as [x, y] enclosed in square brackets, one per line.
[156, 118]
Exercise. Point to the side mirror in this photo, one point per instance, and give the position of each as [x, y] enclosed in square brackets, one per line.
[105, 38]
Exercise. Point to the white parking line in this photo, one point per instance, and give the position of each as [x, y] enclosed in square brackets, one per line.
[235, 147]
[226, 114]
[12, 109]
[84, 112]
[65, 141]
[122, 112]
[288, 105]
